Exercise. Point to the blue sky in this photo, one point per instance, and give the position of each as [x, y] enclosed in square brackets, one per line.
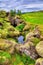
[23, 5]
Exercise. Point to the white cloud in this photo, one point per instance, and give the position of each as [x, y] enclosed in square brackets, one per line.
[21, 5]
[33, 5]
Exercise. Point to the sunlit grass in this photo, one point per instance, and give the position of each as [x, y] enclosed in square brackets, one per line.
[34, 17]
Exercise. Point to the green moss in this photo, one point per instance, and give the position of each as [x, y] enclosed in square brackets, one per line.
[4, 56]
[7, 55]
[24, 59]
[20, 27]
[35, 41]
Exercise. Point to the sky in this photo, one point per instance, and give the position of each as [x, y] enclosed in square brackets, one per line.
[23, 5]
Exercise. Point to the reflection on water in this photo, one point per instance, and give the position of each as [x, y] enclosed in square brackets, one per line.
[20, 39]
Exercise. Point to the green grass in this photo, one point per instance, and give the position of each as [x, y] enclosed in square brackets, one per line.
[33, 17]
[22, 60]
[4, 56]
[20, 27]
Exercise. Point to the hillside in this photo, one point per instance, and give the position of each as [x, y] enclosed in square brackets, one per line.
[20, 37]
[33, 17]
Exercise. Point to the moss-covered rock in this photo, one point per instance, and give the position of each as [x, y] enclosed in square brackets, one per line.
[2, 13]
[29, 35]
[39, 61]
[34, 40]
[39, 48]
[3, 33]
[27, 48]
[26, 28]
[5, 58]
[14, 33]
[5, 44]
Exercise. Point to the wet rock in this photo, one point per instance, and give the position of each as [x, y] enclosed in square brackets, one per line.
[39, 48]
[39, 61]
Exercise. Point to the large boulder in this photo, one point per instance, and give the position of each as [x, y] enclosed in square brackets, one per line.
[36, 32]
[13, 32]
[41, 37]
[29, 35]
[27, 48]
[39, 48]
[15, 21]
[34, 40]
[7, 45]
[26, 28]
[39, 61]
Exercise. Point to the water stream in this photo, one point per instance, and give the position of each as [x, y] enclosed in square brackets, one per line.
[21, 39]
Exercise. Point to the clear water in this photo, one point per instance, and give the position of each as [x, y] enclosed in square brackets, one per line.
[21, 39]
[23, 5]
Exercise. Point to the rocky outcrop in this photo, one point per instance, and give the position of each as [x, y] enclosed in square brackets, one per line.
[39, 61]
[12, 32]
[41, 37]
[26, 28]
[34, 33]
[27, 48]
[4, 44]
[7, 45]
[5, 58]
[39, 48]
[15, 21]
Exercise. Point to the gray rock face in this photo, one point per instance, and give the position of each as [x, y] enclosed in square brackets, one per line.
[15, 21]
